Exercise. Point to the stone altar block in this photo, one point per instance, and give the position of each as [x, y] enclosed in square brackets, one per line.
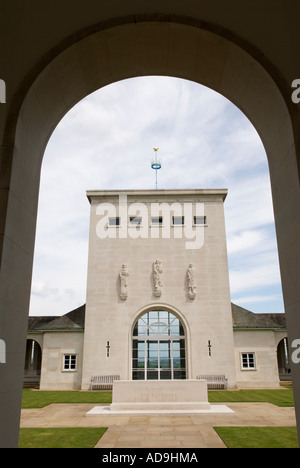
[159, 395]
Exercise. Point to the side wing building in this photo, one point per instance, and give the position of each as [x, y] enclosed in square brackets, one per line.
[158, 301]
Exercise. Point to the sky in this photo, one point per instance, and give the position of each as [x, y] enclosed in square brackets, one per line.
[106, 141]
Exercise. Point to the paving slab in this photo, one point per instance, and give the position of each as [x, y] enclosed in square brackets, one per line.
[154, 431]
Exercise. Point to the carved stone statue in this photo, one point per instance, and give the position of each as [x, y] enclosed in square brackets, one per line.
[191, 281]
[124, 273]
[157, 283]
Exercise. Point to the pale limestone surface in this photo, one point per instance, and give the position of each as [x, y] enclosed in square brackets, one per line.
[249, 60]
[146, 267]
[206, 317]
[142, 431]
[160, 395]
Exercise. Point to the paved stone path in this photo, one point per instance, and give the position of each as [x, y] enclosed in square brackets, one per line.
[180, 431]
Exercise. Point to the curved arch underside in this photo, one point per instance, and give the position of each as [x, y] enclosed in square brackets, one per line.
[112, 54]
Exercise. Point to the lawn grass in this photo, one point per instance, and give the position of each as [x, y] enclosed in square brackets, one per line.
[41, 398]
[233, 437]
[72, 437]
[258, 437]
[280, 397]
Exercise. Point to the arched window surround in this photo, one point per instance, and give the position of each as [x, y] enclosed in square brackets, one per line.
[158, 345]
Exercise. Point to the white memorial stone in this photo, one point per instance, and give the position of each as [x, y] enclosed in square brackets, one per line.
[159, 395]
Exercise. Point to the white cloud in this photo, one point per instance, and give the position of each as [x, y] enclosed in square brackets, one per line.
[246, 240]
[254, 299]
[257, 275]
[39, 288]
[106, 141]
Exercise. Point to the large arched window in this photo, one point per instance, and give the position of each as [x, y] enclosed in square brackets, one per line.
[158, 347]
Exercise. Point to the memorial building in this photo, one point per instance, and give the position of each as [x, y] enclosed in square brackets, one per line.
[158, 303]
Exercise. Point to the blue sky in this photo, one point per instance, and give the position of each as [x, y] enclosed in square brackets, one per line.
[106, 142]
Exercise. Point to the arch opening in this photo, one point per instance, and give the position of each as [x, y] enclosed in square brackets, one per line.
[136, 49]
[33, 364]
[219, 160]
[283, 359]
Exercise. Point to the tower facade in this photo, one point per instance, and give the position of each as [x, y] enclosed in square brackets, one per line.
[158, 300]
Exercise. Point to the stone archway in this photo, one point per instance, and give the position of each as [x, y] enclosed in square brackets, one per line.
[132, 47]
[33, 363]
[159, 346]
[283, 359]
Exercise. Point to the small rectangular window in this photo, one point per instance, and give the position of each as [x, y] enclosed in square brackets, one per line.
[199, 220]
[135, 220]
[114, 221]
[157, 220]
[70, 361]
[248, 360]
[178, 220]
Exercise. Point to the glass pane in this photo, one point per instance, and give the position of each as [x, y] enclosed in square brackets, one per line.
[164, 355]
[141, 347]
[140, 328]
[178, 355]
[182, 363]
[157, 355]
[138, 354]
[163, 316]
[178, 220]
[165, 363]
[175, 329]
[251, 360]
[134, 363]
[134, 345]
[245, 360]
[135, 220]
[153, 329]
[164, 329]
[73, 362]
[176, 345]
[138, 375]
[135, 330]
[153, 316]
[152, 362]
[141, 362]
[152, 375]
[138, 345]
[138, 363]
[165, 374]
[180, 375]
[156, 220]
[114, 221]
[176, 363]
[182, 344]
[164, 346]
[199, 219]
